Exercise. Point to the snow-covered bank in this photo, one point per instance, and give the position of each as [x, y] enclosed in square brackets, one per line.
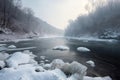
[22, 66]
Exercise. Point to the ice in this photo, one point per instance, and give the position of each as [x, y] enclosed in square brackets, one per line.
[18, 49]
[97, 78]
[83, 49]
[42, 57]
[62, 48]
[17, 58]
[2, 45]
[12, 46]
[2, 48]
[57, 63]
[20, 68]
[2, 64]
[91, 63]
[3, 56]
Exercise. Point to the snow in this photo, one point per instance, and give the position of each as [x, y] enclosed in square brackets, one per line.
[83, 49]
[3, 56]
[2, 64]
[42, 57]
[62, 48]
[91, 63]
[20, 68]
[17, 58]
[12, 46]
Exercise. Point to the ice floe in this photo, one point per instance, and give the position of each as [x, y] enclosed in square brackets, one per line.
[83, 49]
[91, 63]
[12, 46]
[62, 48]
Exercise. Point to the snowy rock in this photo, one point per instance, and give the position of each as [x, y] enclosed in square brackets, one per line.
[83, 49]
[62, 48]
[2, 64]
[12, 46]
[17, 58]
[91, 63]
[4, 56]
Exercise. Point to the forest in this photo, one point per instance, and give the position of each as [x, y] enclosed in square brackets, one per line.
[14, 18]
[103, 22]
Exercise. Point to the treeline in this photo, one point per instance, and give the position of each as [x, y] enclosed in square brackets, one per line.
[103, 22]
[15, 18]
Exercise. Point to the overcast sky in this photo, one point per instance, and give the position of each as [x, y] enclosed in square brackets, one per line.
[57, 12]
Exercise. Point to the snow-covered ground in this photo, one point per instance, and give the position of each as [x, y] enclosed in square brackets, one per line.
[22, 66]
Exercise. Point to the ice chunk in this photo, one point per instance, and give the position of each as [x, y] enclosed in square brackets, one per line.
[42, 57]
[17, 58]
[12, 46]
[91, 63]
[2, 64]
[47, 66]
[2, 48]
[62, 48]
[83, 49]
[57, 63]
[47, 60]
[29, 53]
[4, 56]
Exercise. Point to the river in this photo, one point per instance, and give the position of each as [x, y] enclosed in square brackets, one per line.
[105, 54]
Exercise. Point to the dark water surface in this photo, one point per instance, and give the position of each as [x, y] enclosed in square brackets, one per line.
[106, 55]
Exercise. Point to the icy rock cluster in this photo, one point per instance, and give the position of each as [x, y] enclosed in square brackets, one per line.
[22, 66]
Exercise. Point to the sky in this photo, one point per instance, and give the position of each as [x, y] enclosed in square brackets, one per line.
[57, 12]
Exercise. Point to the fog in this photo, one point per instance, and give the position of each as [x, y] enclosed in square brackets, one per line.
[102, 20]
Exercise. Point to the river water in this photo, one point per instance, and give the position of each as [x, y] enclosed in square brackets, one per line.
[105, 54]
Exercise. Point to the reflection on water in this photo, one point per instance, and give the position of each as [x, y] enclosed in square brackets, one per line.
[104, 54]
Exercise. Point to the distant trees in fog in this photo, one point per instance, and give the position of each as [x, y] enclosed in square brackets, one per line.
[104, 19]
